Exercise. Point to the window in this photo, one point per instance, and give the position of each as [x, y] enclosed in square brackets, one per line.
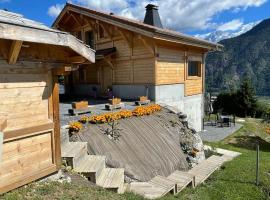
[89, 38]
[194, 68]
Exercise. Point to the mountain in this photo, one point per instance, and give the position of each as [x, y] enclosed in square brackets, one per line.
[219, 35]
[247, 55]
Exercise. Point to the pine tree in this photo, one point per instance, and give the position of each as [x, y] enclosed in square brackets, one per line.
[246, 98]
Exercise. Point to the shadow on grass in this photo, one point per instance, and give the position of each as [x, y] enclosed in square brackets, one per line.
[249, 143]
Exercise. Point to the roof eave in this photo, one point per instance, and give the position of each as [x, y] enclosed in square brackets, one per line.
[30, 34]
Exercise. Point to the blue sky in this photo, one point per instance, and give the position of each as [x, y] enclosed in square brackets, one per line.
[192, 17]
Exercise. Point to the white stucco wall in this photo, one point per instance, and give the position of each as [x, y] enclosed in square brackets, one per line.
[192, 106]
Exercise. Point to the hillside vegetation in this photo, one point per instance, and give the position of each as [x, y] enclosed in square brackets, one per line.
[247, 55]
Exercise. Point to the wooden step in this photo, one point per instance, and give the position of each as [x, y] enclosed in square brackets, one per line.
[204, 169]
[167, 184]
[182, 179]
[147, 190]
[73, 152]
[91, 163]
[91, 166]
[111, 178]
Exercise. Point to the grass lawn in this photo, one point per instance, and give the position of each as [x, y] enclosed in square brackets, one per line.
[235, 180]
[265, 100]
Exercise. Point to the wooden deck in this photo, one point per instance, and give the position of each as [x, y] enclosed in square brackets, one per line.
[178, 180]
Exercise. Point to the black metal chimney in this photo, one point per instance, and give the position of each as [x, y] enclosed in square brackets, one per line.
[152, 16]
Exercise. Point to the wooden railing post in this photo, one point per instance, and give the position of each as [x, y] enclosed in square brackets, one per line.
[56, 120]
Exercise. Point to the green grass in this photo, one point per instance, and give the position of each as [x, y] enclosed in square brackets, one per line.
[235, 180]
[264, 100]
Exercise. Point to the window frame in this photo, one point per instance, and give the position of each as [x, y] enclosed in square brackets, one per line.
[199, 70]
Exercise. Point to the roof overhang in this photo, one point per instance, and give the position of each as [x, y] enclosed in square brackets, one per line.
[146, 30]
[19, 32]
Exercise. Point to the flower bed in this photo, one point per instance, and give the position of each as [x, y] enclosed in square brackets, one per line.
[114, 116]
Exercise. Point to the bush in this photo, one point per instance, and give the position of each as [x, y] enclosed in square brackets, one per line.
[241, 103]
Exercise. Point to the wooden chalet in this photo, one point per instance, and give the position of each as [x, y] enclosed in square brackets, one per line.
[31, 58]
[138, 58]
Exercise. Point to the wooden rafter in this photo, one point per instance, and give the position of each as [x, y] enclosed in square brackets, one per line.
[77, 59]
[3, 124]
[109, 62]
[150, 47]
[126, 36]
[66, 20]
[14, 51]
[76, 20]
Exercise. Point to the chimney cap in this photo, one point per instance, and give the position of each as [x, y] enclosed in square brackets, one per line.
[151, 7]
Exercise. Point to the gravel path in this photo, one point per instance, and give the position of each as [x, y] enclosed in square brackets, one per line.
[216, 134]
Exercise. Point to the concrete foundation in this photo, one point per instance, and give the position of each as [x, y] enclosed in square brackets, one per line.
[134, 91]
[192, 106]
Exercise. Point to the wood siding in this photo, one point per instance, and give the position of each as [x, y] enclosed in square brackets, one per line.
[170, 67]
[31, 140]
[24, 158]
[24, 99]
[133, 63]
[142, 60]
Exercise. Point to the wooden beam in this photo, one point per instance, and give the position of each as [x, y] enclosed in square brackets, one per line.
[65, 70]
[150, 47]
[125, 35]
[3, 124]
[109, 61]
[76, 20]
[14, 51]
[12, 135]
[56, 120]
[77, 59]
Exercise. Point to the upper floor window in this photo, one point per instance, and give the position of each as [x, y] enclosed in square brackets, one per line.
[90, 39]
[194, 68]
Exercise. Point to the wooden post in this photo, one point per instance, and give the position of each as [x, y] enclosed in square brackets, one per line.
[56, 119]
[257, 165]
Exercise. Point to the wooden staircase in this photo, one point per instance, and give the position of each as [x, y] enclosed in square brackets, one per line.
[178, 180]
[91, 166]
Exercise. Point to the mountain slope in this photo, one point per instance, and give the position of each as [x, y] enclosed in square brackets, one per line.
[245, 55]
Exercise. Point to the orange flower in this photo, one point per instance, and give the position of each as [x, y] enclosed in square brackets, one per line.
[75, 126]
[84, 119]
[268, 130]
[113, 116]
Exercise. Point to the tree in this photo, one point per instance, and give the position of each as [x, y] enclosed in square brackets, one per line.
[246, 99]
